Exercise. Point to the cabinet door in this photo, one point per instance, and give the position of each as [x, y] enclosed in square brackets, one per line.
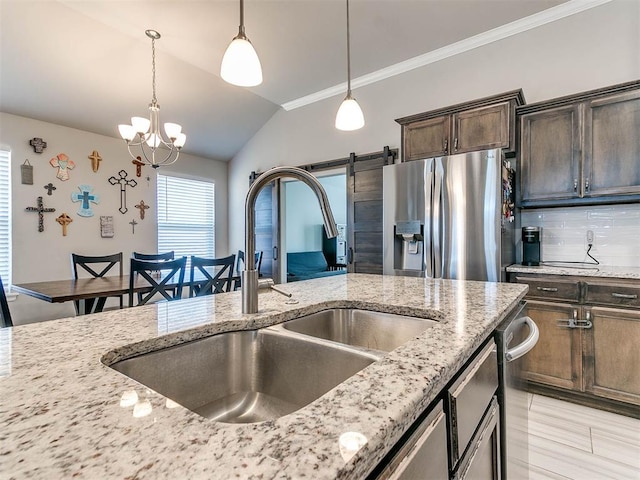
[612, 148]
[426, 138]
[556, 360]
[481, 128]
[612, 356]
[551, 154]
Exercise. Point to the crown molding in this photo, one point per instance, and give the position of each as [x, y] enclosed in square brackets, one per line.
[533, 21]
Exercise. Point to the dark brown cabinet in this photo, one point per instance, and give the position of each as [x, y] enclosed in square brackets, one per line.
[471, 126]
[581, 149]
[589, 337]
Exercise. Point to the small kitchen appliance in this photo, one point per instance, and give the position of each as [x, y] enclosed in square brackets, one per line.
[531, 246]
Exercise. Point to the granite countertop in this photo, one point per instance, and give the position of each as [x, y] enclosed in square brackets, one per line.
[578, 271]
[61, 410]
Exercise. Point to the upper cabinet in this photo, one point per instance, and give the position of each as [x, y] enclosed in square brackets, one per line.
[477, 125]
[581, 149]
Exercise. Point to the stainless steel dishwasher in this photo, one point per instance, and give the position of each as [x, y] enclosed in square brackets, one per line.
[515, 337]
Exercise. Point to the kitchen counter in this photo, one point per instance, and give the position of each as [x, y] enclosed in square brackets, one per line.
[582, 271]
[61, 412]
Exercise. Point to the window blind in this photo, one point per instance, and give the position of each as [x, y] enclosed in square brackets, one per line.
[186, 216]
[5, 217]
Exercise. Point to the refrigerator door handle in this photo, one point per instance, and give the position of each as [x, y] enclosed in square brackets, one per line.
[528, 343]
[428, 227]
[436, 244]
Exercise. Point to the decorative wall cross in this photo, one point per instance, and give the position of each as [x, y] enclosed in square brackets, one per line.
[38, 144]
[95, 160]
[124, 183]
[41, 210]
[142, 207]
[63, 164]
[133, 224]
[85, 197]
[49, 188]
[139, 164]
[64, 220]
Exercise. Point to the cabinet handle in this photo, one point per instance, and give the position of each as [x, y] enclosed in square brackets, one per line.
[455, 144]
[575, 185]
[624, 295]
[547, 289]
[446, 145]
[586, 185]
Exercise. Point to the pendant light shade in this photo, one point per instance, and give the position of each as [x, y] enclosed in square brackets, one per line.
[240, 63]
[349, 116]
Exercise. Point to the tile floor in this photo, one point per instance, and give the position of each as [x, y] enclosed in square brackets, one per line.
[572, 442]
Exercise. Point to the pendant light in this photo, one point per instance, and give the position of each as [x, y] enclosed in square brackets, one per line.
[145, 132]
[349, 116]
[240, 63]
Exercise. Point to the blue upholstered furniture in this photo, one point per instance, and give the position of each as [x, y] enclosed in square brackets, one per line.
[307, 265]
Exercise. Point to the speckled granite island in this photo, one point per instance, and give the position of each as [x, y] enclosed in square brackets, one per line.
[61, 406]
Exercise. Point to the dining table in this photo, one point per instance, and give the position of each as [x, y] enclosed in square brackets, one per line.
[90, 293]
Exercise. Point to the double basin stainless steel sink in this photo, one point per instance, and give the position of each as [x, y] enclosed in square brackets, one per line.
[257, 375]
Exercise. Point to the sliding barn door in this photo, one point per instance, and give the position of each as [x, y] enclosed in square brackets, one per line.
[267, 232]
[364, 213]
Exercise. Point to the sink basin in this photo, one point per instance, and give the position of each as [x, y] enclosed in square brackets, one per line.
[247, 376]
[362, 328]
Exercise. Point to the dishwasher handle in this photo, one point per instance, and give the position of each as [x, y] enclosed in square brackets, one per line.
[528, 343]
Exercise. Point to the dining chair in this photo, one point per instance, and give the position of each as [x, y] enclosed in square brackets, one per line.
[5, 315]
[96, 266]
[154, 256]
[216, 280]
[240, 266]
[160, 277]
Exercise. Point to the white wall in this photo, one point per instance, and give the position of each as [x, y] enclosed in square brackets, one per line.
[592, 49]
[303, 218]
[45, 256]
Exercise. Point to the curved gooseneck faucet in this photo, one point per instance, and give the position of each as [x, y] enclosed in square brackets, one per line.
[250, 274]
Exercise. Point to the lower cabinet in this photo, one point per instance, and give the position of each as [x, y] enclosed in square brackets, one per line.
[588, 349]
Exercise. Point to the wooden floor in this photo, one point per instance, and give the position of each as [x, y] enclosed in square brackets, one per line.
[568, 441]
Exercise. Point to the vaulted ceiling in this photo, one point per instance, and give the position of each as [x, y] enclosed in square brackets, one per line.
[87, 64]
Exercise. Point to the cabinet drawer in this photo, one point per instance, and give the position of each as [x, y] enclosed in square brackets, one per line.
[618, 294]
[549, 289]
[469, 397]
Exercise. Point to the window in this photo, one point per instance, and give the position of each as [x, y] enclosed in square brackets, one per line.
[186, 216]
[5, 217]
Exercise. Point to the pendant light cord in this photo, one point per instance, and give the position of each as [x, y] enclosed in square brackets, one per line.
[348, 55]
[154, 100]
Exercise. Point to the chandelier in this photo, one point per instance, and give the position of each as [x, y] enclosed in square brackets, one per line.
[349, 116]
[144, 133]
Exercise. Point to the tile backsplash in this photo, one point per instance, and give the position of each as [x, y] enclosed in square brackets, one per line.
[564, 233]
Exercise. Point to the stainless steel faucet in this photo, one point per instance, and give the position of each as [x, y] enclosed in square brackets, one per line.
[250, 274]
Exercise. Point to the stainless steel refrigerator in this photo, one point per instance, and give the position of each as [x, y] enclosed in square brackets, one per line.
[449, 217]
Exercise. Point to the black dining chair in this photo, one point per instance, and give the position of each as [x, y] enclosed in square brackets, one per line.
[240, 266]
[5, 315]
[154, 256]
[160, 275]
[96, 266]
[216, 275]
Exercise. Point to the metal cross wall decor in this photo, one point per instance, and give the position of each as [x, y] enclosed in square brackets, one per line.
[123, 182]
[133, 224]
[38, 144]
[85, 197]
[142, 207]
[41, 210]
[49, 188]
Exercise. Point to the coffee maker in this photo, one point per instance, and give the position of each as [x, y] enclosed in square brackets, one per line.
[531, 246]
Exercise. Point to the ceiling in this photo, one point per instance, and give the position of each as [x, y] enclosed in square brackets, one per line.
[87, 64]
